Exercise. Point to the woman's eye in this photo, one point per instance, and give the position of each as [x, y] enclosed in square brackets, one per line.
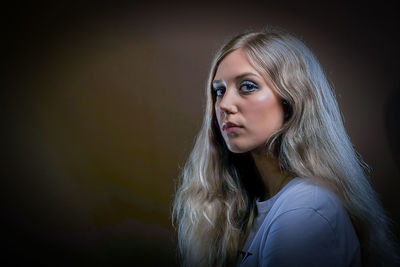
[248, 87]
[219, 91]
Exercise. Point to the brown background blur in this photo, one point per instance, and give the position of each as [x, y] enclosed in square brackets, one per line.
[101, 105]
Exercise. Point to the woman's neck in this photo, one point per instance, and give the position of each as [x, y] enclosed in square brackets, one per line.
[272, 176]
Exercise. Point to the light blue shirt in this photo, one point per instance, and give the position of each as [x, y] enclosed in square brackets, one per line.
[303, 225]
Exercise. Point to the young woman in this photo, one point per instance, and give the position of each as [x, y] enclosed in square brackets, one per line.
[273, 179]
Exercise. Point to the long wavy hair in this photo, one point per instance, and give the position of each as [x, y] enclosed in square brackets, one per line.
[214, 206]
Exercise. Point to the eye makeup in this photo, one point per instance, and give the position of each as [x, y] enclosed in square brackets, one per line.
[219, 88]
[244, 87]
[247, 87]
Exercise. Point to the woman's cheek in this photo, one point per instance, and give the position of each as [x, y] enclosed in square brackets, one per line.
[264, 114]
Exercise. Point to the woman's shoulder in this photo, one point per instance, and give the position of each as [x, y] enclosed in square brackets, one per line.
[312, 226]
[304, 195]
[306, 226]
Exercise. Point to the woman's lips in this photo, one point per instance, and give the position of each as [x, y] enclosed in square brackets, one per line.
[233, 129]
[230, 127]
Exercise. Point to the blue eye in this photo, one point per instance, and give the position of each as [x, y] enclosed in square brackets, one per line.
[248, 87]
[219, 91]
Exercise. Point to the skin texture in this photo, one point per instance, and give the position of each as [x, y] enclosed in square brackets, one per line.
[258, 112]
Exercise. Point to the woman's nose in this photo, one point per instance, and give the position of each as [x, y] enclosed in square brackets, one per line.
[228, 103]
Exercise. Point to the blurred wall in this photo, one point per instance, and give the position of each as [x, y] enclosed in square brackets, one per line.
[101, 105]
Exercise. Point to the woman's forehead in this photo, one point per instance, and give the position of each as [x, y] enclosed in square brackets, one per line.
[234, 65]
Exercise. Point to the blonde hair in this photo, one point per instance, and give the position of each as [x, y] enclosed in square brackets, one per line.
[214, 206]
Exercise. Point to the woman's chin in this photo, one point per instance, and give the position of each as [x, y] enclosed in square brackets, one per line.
[234, 148]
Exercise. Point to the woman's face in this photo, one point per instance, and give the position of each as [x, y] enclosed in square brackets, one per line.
[247, 108]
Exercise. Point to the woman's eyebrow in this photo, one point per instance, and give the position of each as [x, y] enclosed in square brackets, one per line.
[246, 74]
[236, 78]
[218, 82]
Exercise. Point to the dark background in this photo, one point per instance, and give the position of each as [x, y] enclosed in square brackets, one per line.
[101, 104]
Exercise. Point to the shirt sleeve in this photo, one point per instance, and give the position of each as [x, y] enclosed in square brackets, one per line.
[301, 237]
